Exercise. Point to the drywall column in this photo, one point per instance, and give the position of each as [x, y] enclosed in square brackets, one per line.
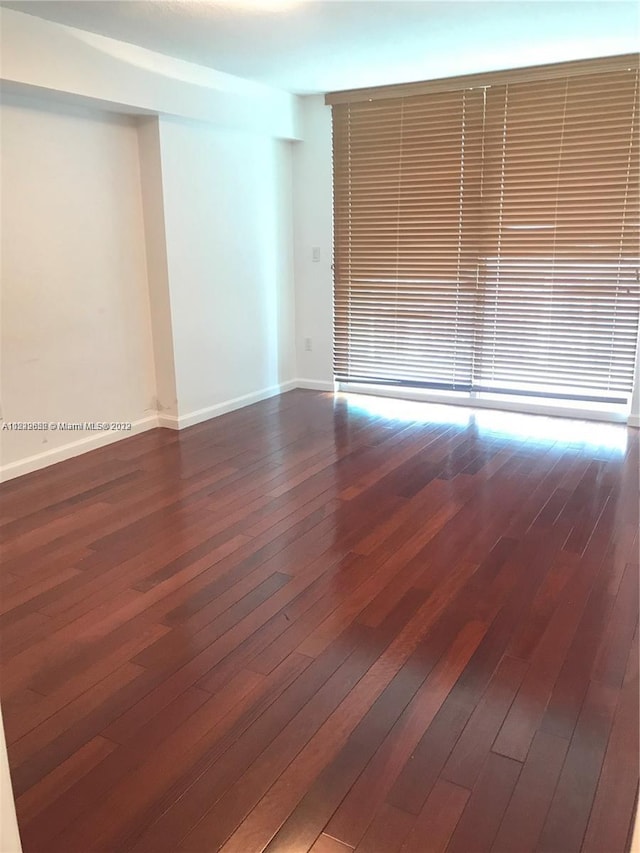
[313, 229]
[157, 269]
[229, 236]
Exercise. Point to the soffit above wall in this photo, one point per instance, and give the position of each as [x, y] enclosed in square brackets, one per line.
[310, 46]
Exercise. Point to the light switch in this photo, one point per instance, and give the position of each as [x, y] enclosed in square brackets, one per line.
[315, 254]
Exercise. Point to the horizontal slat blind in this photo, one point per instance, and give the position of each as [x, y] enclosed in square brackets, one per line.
[559, 263]
[487, 238]
[406, 189]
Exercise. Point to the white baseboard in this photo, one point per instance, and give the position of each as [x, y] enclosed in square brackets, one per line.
[633, 421]
[167, 421]
[200, 415]
[73, 448]
[315, 384]
[92, 442]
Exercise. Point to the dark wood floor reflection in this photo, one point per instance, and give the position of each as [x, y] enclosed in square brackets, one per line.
[309, 626]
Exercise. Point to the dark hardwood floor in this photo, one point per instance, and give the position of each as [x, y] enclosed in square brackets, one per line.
[304, 626]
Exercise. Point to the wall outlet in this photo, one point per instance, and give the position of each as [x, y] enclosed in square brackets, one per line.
[315, 254]
[308, 345]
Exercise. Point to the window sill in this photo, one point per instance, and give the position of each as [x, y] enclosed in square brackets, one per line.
[503, 402]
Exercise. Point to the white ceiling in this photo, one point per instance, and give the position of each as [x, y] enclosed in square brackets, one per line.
[307, 46]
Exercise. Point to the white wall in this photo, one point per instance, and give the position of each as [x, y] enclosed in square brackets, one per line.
[76, 333]
[313, 214]
[147, 266]
[228, 217]
[147, 260]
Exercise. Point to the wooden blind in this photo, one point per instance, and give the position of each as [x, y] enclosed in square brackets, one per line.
[487, 238]
[405, 195]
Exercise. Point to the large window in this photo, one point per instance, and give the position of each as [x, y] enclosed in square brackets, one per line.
[487, 234]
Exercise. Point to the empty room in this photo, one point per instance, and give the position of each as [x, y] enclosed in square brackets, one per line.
[319, 428]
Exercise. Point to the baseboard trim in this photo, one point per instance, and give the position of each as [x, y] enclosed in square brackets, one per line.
[73, 448]
[200, 415]
[315, 384]
[167, 421]
[93, 442]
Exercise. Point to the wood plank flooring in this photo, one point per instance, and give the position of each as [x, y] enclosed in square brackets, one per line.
[312, 626]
